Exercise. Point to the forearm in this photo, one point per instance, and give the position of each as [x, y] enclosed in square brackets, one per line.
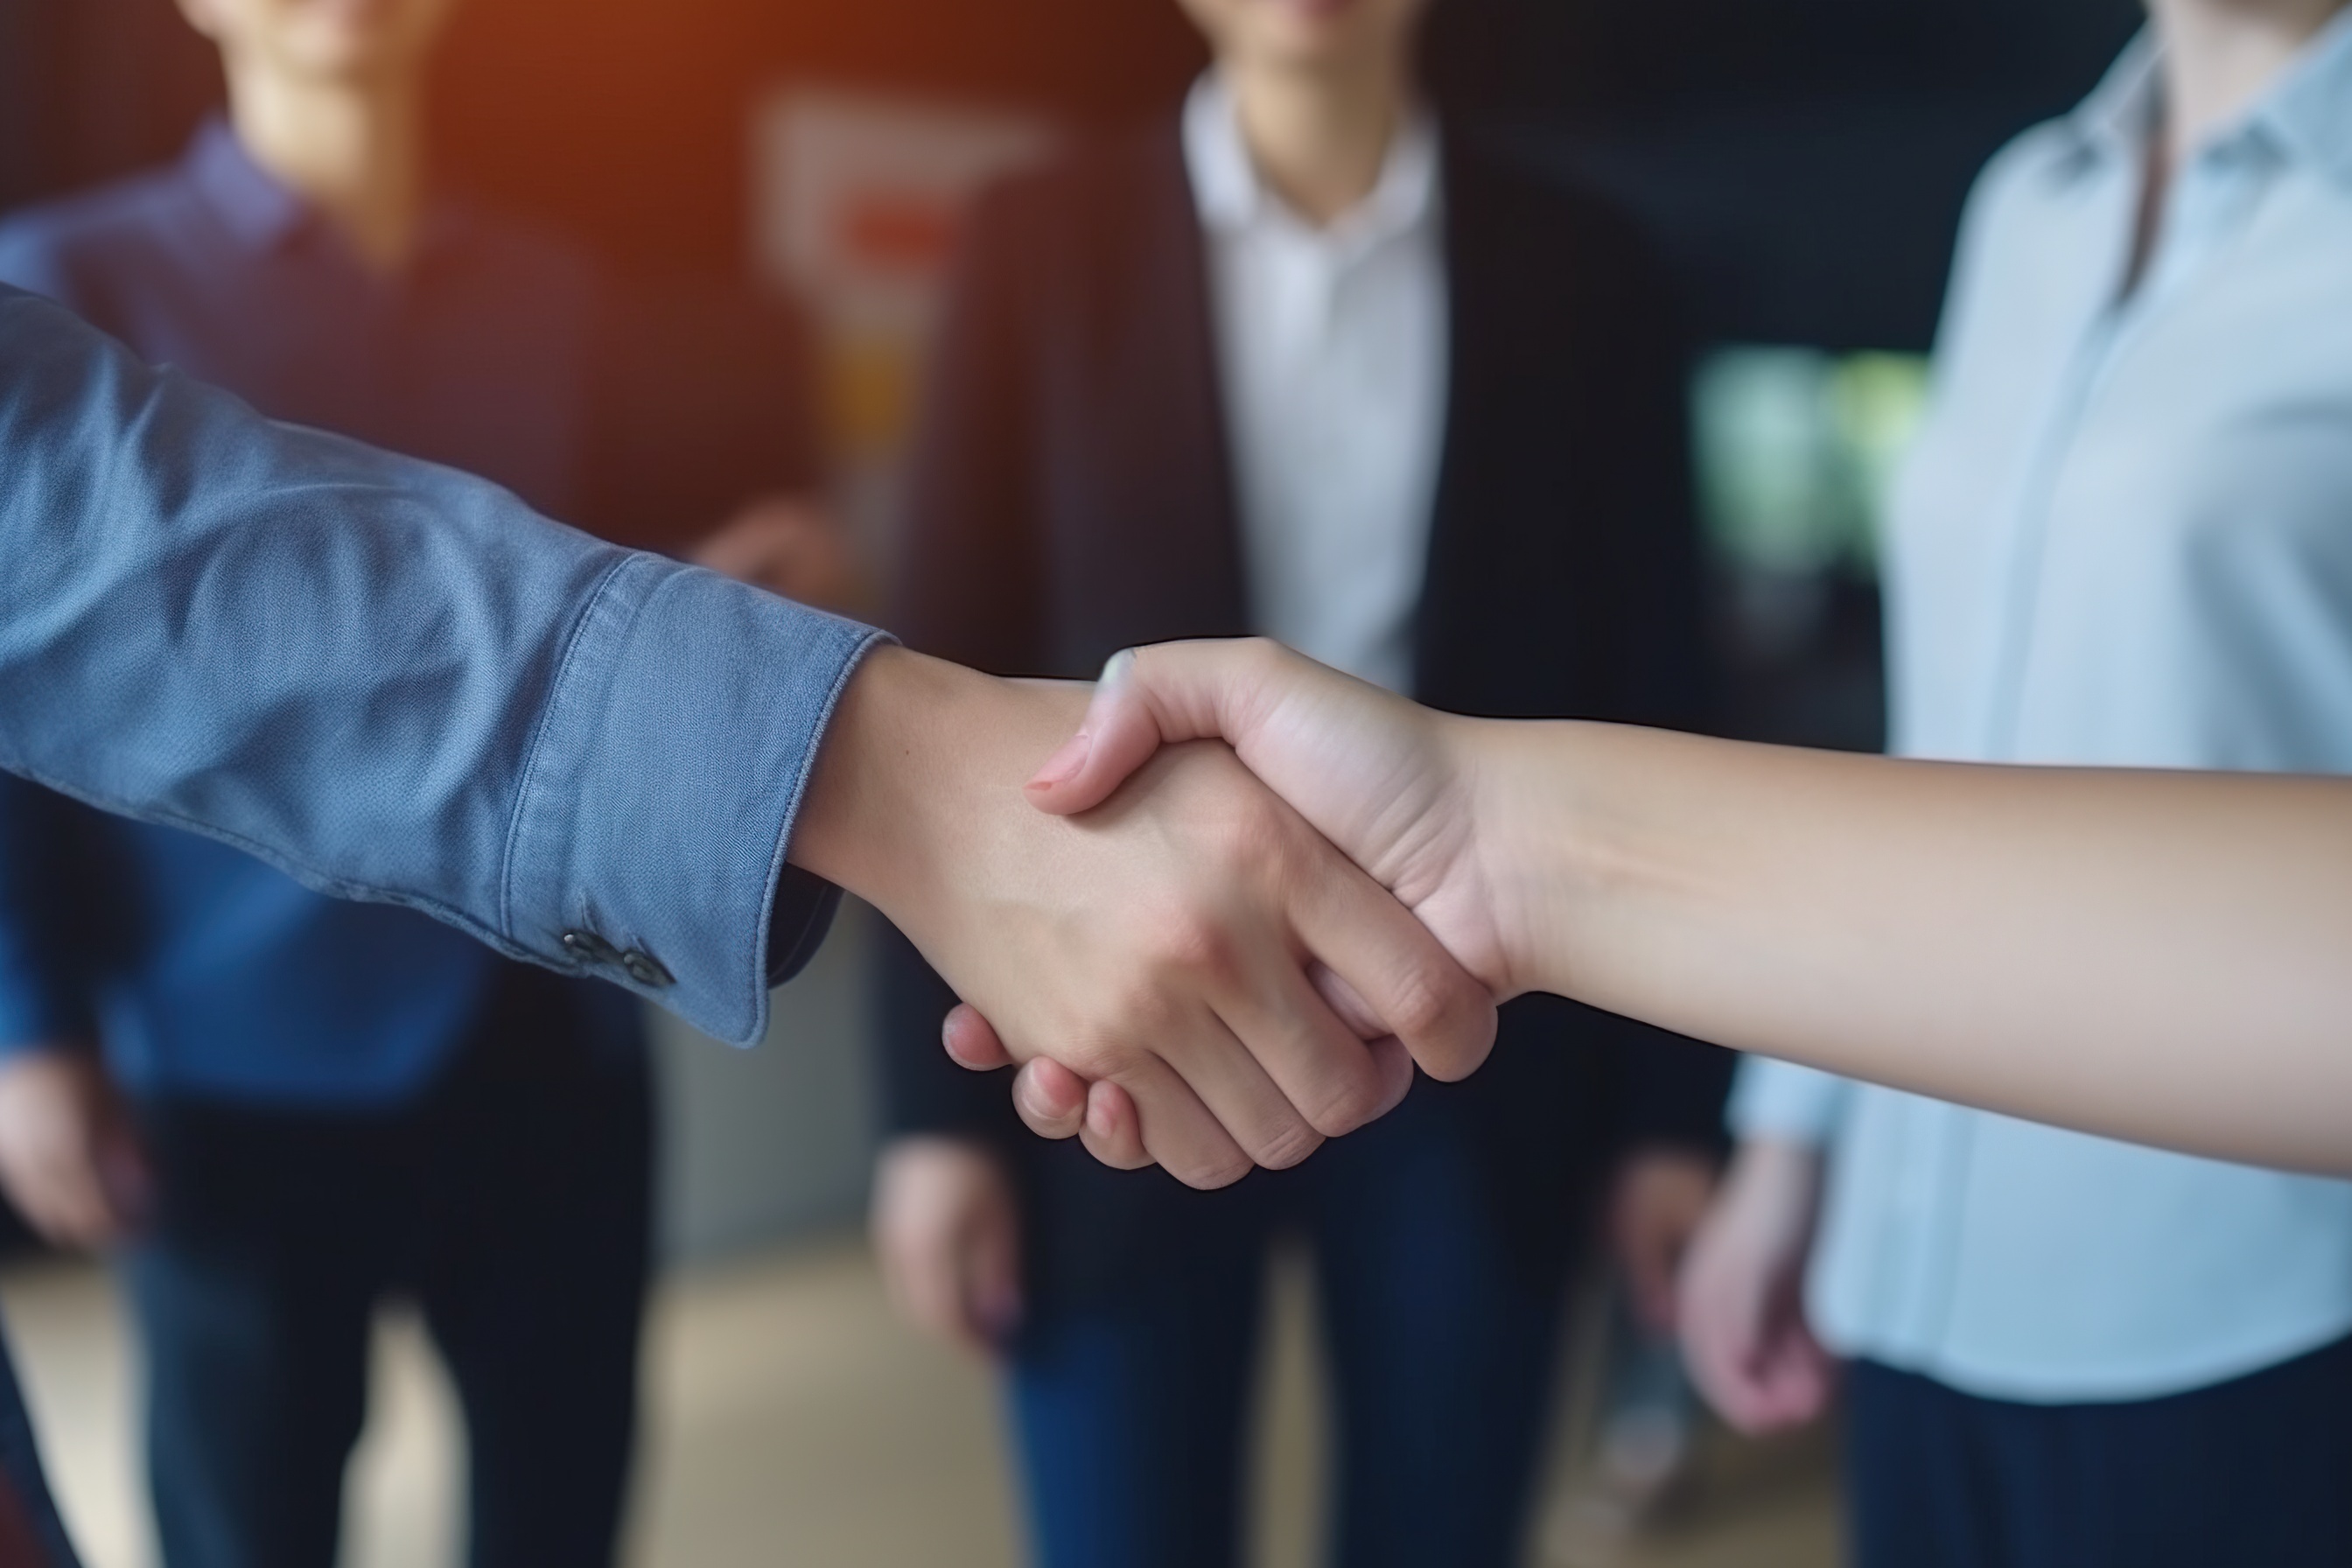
[394, 681]
[2160, 957]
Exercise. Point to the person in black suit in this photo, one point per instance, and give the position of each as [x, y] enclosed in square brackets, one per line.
[1304, 364]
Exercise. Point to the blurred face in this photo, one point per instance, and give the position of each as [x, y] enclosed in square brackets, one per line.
[324, 40]
[1308, 35]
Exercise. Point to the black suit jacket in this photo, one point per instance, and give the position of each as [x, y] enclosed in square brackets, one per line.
[1072, 496]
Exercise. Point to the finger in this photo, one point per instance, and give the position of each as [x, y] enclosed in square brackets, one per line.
[1050, 1099]
[972, 1041]
[1179, 1129]
[996, 1303]
[1113, 1132]
[1405, 978]
[927, 1293]
[919, 1272]
[1182, 691]
[1321, 1066]
[1390, 1061]
[1794, 1377]
[1230, 1077]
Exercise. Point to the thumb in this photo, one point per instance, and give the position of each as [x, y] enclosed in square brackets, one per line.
[1144, 701]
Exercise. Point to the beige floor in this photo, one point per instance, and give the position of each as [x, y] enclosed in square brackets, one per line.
[794, 1422]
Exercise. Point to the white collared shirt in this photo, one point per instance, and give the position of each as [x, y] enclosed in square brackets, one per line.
[1332, 353]
[2124, 539]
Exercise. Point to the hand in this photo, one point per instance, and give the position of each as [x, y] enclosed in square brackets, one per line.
[1393, 786]
[1743, 1318]
[947, 1234]
[789, 546]
[69, 1158]
[1170, 943]
[1660, 1199]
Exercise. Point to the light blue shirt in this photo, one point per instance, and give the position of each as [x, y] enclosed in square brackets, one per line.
[2125, 538]
[397, 683]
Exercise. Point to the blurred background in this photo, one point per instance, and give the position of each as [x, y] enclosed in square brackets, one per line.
[1802, 164]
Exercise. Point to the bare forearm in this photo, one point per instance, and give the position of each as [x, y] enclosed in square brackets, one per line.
[2160, 957]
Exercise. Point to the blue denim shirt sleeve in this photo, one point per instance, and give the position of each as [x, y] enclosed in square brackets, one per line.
[397, 683]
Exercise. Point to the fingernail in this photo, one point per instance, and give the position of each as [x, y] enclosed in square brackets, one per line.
[1121, 665]
[1064, 765]
[1034, 1099]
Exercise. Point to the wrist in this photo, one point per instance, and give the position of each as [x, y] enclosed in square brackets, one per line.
[920, 757]
[1524, 843]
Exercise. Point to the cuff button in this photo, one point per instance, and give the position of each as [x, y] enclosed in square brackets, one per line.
[648, 971]
[587, 947]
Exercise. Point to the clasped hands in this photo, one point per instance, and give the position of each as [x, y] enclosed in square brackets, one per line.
[1220, 923]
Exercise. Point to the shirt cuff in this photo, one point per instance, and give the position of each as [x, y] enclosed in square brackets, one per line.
[658, 806]
[1787, 1103]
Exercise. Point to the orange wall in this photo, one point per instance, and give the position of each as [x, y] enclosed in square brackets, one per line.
[624, 119]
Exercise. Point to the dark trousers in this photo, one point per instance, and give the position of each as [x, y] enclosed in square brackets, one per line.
[511, 1205]
[2252, 1473]
[1130, 1377]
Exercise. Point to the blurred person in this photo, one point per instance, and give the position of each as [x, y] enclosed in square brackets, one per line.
[2122, 540]
[289, 1108]
[1298, 361]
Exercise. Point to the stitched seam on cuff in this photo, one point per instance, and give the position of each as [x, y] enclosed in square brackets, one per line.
[557, 685]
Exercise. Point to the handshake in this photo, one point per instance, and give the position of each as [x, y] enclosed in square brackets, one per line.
[1218, 915]
[1220, 923]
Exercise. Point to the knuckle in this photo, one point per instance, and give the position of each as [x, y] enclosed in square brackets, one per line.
[1261, 656]
[1348, 1107]
[1208, 1174]
[1190, 947]
[1289, 1145]
[1105, 1050]
[1422, 1006]
[1435, 1011]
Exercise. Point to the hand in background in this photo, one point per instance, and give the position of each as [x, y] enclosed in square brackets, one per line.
[1382, 778]
[1743, 1316]
[790, 546]
[1657, 1206]
[69, 1158]
[947, 1233]
[1169, 944]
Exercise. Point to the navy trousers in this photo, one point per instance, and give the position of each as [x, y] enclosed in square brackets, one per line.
[511, 1206]
[2253, 1473]
[1130, 1377]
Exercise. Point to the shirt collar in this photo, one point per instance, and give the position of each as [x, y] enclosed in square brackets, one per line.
[2306, 114]
[1229, 195]
[264, 213]
[2115, 121]
[2309, 111]
[254, 205]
